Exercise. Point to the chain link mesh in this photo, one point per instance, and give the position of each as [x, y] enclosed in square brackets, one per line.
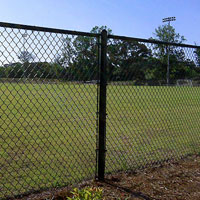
[48, 101]
[49, 106]
[149, 121]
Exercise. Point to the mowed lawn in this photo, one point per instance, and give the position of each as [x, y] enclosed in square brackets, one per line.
[48, 131]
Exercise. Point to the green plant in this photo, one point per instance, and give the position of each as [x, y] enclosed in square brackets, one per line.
[89, 193]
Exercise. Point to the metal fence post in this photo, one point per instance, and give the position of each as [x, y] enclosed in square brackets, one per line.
[102, 107]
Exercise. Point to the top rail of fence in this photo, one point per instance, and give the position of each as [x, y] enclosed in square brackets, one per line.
[62, 31]
[45, 29]
[132, 39]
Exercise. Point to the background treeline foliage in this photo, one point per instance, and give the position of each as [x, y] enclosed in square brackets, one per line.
[78, 60]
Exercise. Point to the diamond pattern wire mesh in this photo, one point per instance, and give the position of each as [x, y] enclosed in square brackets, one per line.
[149, 122]
[48, 101]
[49, 104]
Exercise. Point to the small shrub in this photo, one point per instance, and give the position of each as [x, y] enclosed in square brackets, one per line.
[90, 193]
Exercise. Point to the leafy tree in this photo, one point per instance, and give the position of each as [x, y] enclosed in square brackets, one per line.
[197, 56]
[98, 29]
[167, 33]
[79, 57]
[180, 66]
[2, 72]
[25, 56]
[127, 60]
[65, 59]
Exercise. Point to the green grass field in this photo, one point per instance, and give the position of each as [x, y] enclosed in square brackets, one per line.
[48, 131]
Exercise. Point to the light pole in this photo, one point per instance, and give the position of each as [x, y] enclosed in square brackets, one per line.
[24, 35]
[168, 19]
[23, 53]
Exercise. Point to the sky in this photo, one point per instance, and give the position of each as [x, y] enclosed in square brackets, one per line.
[135, 18]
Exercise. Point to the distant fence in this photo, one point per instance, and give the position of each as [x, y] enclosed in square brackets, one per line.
[78, 105]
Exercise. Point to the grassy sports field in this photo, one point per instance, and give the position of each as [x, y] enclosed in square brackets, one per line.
[48, 131]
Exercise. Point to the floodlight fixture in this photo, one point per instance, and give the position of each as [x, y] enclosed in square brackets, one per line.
[168, 19]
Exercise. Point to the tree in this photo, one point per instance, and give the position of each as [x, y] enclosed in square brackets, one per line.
[197, 56]
[79, 56]
[179, 65]
[167, 33]
[127, 61]
[98, 29]
[25, 56]
[2, 72]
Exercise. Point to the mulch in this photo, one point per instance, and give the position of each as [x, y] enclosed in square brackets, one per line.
[177, 180]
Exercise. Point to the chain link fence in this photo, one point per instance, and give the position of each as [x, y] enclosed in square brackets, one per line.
[151, 120]
[74, 104]
[48, 101]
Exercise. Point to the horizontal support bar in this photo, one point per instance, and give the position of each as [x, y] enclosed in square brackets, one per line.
[131, 39]
[62, 31]
[44, 29]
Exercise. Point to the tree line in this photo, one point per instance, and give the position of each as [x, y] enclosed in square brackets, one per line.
[126, 60]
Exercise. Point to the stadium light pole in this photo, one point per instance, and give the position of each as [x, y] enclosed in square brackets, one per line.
[24, 35]
[168, 19]
[23, 53]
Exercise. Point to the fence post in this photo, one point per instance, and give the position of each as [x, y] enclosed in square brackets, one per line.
[102, 108]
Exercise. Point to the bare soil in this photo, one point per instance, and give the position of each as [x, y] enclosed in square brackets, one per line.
[171, 181]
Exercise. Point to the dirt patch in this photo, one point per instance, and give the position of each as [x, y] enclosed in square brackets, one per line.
[175, 180]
